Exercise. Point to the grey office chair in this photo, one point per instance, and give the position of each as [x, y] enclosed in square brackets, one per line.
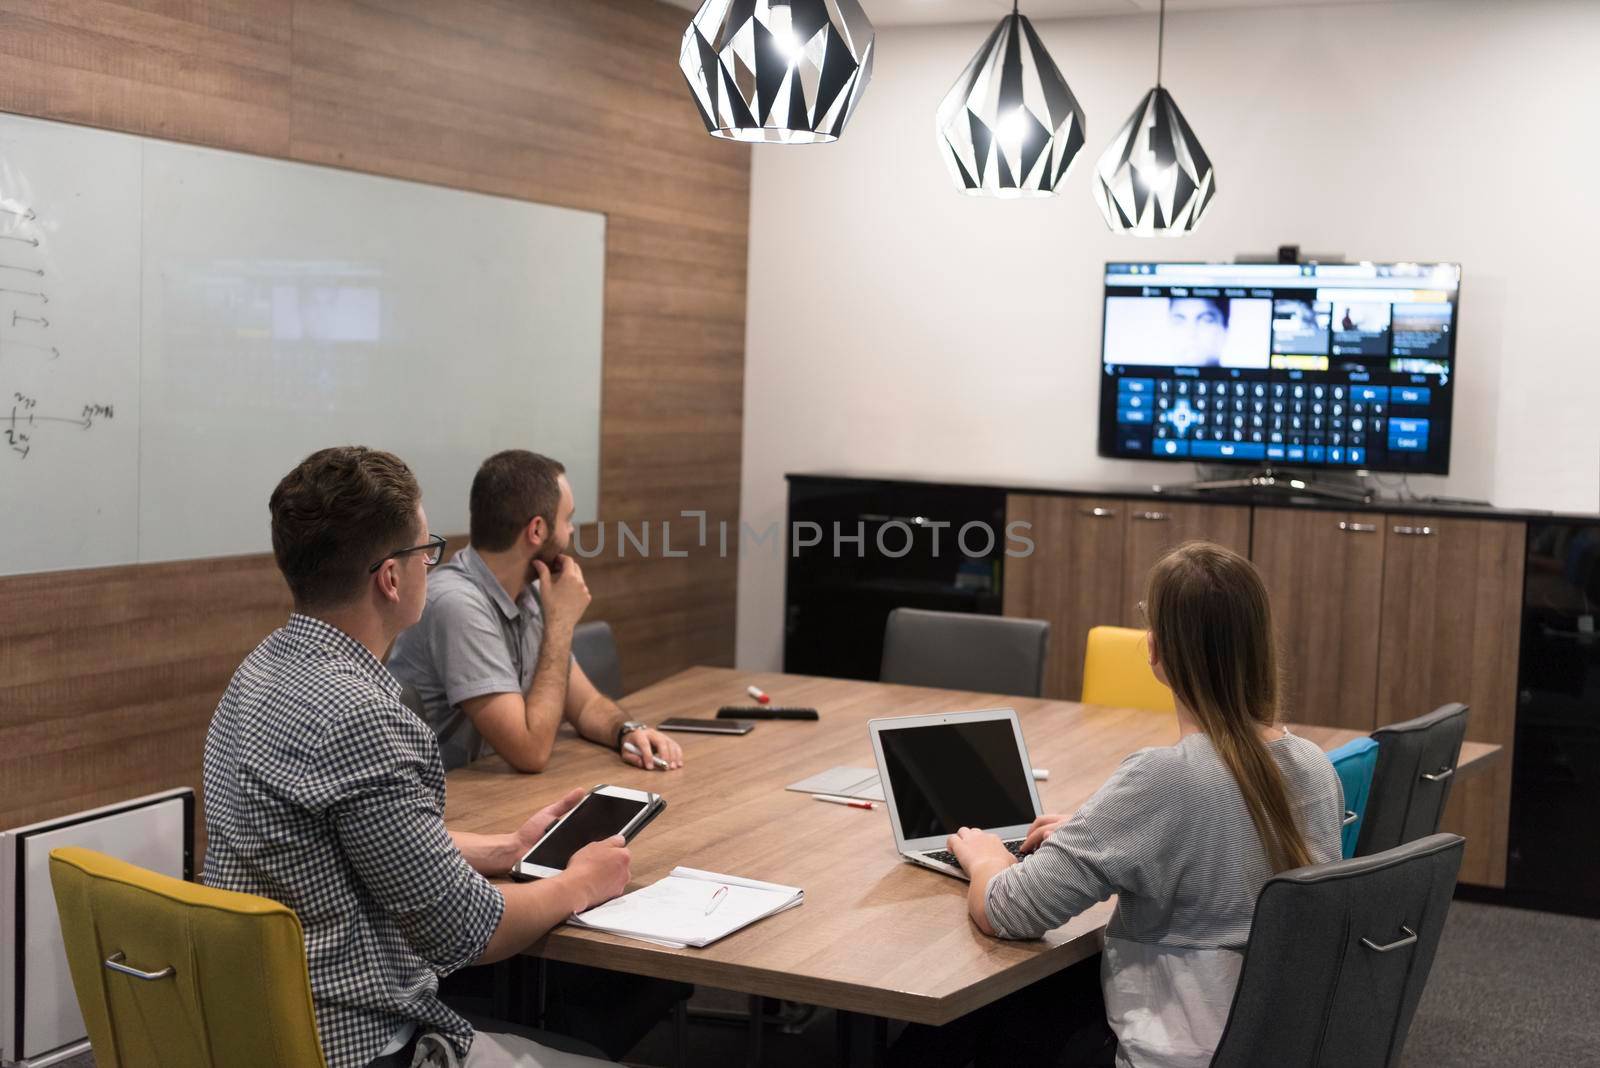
[596, 649]
[1337, 959]
[1416, 761]
[962, 651]
[411, 699]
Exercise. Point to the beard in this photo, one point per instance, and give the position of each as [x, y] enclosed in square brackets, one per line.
[550, 553]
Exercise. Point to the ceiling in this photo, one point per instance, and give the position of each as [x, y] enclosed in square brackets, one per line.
[925, 12]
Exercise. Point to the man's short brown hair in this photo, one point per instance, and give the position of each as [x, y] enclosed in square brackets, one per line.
[337, 513]
[509, 490]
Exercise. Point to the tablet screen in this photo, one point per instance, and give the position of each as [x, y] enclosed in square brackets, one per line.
[597, 816]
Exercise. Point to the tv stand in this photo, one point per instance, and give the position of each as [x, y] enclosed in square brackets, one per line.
[1272, 480]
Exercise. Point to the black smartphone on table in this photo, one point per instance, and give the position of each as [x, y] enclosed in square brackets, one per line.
[706, 726]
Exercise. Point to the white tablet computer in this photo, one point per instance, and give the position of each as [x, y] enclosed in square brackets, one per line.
[605, 811]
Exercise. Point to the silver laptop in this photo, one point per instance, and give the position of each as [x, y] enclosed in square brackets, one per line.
[961, 769]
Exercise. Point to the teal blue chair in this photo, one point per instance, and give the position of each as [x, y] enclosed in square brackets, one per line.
[1355, 762]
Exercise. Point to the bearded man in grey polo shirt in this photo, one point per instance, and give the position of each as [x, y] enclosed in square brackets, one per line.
[491, 658]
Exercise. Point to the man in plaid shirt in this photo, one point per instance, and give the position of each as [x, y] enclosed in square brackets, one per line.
[325, 793]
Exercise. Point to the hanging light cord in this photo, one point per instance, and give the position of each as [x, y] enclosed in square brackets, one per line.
[1161, 39]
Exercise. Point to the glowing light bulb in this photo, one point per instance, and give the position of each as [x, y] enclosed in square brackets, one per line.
[1012, 130]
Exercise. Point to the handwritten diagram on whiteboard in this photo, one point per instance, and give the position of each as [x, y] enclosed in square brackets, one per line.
[69, 346]
[179, 326]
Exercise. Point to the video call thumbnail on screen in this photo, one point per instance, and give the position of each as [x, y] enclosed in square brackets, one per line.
[1295, 322]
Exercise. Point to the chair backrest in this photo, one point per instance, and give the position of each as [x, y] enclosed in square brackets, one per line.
[1116, 671]
[412, 699]
[1416, 762]
[1354, 762]
[596, 649]
[1338, 956]
[171, 974]
[963, 651]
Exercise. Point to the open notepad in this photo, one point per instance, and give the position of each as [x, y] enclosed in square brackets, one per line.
[690, 908]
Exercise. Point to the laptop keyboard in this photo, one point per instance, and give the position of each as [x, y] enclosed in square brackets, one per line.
[947, 857]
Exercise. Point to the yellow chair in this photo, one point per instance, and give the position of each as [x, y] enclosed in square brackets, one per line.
[172, 974]
[1116, 671]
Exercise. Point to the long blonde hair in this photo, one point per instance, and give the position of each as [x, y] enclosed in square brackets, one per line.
[1211, 629]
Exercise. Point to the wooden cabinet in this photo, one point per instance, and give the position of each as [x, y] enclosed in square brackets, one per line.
[1452, 597]
[1089, 564]
[1325, 574]
[1153, 527]
[1073, 577]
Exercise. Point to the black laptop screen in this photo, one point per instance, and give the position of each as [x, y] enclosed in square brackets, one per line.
[952, 775]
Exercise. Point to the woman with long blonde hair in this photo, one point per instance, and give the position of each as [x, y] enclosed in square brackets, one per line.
[1185, 835]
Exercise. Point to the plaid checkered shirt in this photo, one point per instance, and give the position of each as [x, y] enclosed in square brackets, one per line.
[324, 792]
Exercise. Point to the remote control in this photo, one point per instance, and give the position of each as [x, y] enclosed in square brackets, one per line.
[765, 712]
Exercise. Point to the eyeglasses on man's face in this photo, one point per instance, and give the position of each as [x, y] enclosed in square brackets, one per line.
[433, 547]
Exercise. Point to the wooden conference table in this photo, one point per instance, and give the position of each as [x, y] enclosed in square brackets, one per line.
[876, 936]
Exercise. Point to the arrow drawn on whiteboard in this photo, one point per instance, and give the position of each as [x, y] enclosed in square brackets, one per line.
[26, 216]
[26, 293]
[25, 270]
[34, 241]
[18, 317]
[55, 353]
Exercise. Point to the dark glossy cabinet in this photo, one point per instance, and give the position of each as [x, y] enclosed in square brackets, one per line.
[1555, 791]
[861, 548]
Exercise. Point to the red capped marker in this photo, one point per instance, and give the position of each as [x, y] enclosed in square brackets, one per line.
[759, 694]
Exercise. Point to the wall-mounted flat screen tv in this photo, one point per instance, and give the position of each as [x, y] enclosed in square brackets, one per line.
[1348, 366]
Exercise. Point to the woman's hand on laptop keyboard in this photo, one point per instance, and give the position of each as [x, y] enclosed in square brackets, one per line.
[1042, 828]
[979, 851]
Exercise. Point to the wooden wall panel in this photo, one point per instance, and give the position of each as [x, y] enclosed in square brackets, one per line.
[108, 677]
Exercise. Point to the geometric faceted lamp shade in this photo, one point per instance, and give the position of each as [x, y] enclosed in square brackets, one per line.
[1010, 126]
[1154, 178]
[778, 72]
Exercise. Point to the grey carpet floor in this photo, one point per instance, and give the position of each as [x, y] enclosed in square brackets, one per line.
[1509, 989]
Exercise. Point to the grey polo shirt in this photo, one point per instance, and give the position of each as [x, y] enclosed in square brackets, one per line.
[472, 640]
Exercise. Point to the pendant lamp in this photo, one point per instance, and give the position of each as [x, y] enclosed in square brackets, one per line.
[1154, 178]
[777, 71]
[1010, 126]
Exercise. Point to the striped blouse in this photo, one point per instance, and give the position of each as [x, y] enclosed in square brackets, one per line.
[1170, 835]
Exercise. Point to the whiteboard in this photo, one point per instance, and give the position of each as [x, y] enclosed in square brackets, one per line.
[205, 319]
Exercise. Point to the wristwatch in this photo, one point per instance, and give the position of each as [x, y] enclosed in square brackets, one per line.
[626, 729]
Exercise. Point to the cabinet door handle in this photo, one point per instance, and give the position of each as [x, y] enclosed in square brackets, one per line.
[1151, 517]
[1414, 532]
[1357, 528]
[1100, 513]
[873, 517]
[1411, 936]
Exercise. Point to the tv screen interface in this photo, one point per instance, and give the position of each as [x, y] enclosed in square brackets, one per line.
[1319, 365]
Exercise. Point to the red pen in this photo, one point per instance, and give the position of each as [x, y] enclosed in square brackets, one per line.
[848, 801]
[759, 694]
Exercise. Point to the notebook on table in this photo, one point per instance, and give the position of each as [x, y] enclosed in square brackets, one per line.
[690, 907]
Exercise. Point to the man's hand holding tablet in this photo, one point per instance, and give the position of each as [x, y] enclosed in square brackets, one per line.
[583, 836]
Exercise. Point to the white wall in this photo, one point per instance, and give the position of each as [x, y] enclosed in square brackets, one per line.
[896, 326]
